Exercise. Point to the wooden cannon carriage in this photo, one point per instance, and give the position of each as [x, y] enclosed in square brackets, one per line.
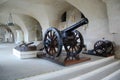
[70, 38]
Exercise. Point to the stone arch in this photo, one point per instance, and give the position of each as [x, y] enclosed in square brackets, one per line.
[33, 12]
[6, 34]
[22, 19]
[17, 21]
[33, 27]
[17, 37]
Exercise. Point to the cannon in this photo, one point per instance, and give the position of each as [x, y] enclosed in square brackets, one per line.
[104, 48]
[25, 47]
[70, 38]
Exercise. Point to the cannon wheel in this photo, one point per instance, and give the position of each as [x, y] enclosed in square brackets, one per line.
[52, 42]
[74, 46]
[100, 47]
[110, 47]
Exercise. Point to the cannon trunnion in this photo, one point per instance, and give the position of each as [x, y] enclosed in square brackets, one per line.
[70, 38]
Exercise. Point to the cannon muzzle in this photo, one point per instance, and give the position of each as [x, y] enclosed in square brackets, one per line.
[75, 26]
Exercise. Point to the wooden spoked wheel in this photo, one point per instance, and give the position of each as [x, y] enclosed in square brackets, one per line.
[52, 42]
[100, 47]
[74, 43]
[109, 46]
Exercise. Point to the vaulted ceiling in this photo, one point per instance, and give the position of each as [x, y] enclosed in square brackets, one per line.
[28, 13]
[41, 10]
[33, 8]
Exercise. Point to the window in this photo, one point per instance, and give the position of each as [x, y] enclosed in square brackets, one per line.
[63, 17]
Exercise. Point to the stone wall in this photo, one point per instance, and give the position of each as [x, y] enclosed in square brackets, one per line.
[113, 11]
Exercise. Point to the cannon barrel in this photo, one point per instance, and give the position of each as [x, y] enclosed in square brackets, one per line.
[75, 26]
[29, 43]
[24, 44]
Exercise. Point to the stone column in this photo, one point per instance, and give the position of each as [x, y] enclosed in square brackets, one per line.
[19, 36]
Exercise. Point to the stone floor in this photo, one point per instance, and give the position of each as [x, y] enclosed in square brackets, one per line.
[12, 68]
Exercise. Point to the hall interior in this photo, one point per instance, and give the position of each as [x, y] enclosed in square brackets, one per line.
[26, 21]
